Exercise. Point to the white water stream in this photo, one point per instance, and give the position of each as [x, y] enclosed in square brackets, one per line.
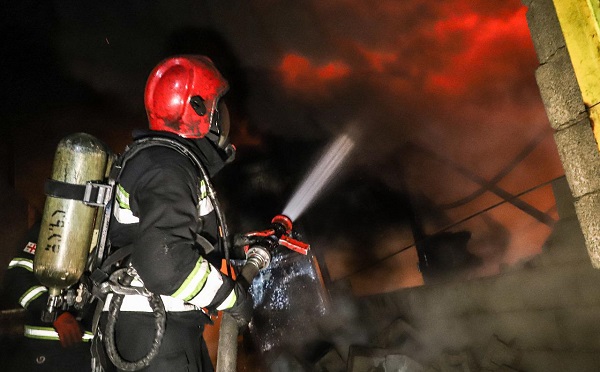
[321, 173]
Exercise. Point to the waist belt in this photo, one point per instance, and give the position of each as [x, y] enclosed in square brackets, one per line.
[140, 303]
[48, 333]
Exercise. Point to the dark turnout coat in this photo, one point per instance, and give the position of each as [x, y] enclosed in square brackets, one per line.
[162, 209]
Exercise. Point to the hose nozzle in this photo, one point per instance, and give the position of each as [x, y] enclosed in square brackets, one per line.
[279, 234]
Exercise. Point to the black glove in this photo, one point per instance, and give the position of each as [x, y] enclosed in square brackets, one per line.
[241, 311]
[237, 245]
[240, 240]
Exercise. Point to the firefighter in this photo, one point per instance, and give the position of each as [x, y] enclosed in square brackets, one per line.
[61, 346]
[162, 212]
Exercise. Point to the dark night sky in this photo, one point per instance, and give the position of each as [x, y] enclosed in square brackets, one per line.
[434, 87]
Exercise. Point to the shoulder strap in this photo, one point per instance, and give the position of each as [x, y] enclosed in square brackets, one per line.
[144, 143]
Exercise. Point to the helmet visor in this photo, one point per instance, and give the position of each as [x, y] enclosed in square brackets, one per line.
[221, 124]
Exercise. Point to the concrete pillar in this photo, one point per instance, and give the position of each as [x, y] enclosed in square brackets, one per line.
[565, 36]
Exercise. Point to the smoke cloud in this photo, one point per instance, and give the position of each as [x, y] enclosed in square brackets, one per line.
[455, 78]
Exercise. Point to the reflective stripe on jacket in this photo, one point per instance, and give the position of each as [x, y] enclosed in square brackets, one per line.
[48, 333]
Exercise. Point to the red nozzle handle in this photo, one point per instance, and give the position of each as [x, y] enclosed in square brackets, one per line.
[294, 245]
[284, 221]
[284, 239]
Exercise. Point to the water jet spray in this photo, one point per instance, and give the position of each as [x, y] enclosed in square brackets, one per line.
[321, 173]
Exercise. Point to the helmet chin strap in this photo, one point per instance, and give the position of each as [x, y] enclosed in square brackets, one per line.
[226, 150]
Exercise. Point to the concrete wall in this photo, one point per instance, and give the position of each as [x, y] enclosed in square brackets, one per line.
[543, 315]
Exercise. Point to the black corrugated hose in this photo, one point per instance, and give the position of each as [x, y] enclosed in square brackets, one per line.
[160, 316]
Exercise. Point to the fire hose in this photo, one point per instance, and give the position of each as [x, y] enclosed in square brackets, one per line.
[258, 257]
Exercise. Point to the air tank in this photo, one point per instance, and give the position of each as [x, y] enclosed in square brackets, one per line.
[67, 226]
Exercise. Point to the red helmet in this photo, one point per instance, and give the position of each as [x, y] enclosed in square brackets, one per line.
[182, 96]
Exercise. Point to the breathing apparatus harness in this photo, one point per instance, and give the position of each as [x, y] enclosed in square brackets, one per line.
[105, 279]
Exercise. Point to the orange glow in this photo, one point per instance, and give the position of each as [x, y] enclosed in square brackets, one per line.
[405, 274]
[333, 70]
[378, 60]
[211, 337]
[292, 67]
[301, 75]
[478, 51]
[445, 28]
[398, 270]
[243, 136]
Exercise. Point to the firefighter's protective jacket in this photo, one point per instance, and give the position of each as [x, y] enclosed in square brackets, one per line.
[22, 287]
[162, 208]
